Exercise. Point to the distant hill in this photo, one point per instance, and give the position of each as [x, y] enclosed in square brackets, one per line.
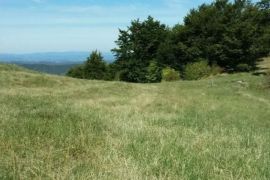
[58, 69]
[51, 62]
[51, 58]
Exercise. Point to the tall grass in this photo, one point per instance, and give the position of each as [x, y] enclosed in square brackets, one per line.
[62, 128]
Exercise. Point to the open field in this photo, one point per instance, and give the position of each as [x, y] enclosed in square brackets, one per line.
[62, 128]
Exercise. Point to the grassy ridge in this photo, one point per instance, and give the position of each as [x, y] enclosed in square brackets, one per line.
[62, 128]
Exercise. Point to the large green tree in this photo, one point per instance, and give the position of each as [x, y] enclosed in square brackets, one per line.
[137, 47]
[231, 34]
[223, 32]
[263, 20]
[76, 72]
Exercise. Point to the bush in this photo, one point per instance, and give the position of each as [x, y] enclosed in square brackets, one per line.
[133, 72]
[76, 72]
[111, 71]
[117, 76]
[169, 74]
[215, 70]
[197, 70]
[243, 68]
[153, 73]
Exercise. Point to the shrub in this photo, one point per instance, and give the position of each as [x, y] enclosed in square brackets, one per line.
[243, 68]
[117, 76]
[111, 71]
[169, 74]
[215, 69]
[76, 72]
[153, 73]
[133, 72]
[197, 70]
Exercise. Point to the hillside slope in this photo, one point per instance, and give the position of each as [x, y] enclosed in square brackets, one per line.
[62, 128]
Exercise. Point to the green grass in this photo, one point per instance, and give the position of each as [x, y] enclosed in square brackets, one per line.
[266, 63]
[264, 66]
[61, 128]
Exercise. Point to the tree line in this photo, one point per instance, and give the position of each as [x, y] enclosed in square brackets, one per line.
[221, 36]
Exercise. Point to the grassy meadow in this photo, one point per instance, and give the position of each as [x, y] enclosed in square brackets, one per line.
[54, 127]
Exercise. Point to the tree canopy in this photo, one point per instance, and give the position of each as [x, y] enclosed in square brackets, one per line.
[137, 47]
[94, 68]
[231, 35]
[224, 33]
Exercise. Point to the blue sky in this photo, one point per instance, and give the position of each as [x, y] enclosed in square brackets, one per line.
[28, 26]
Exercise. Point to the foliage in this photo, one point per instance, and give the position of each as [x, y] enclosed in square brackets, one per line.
[223, 32]
[137, 47]
[231, 35]
[153, 73]
[111, 72]
[76, 72]
[133, 71]
[197, 70]
[243, 67]
[95, 67]
[215, 69]
[170, 74]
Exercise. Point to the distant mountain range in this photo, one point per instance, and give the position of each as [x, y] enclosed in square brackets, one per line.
[50, 62]
[58, 69]
[51, 58]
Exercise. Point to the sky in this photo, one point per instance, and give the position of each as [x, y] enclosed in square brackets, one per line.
[28, 26]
